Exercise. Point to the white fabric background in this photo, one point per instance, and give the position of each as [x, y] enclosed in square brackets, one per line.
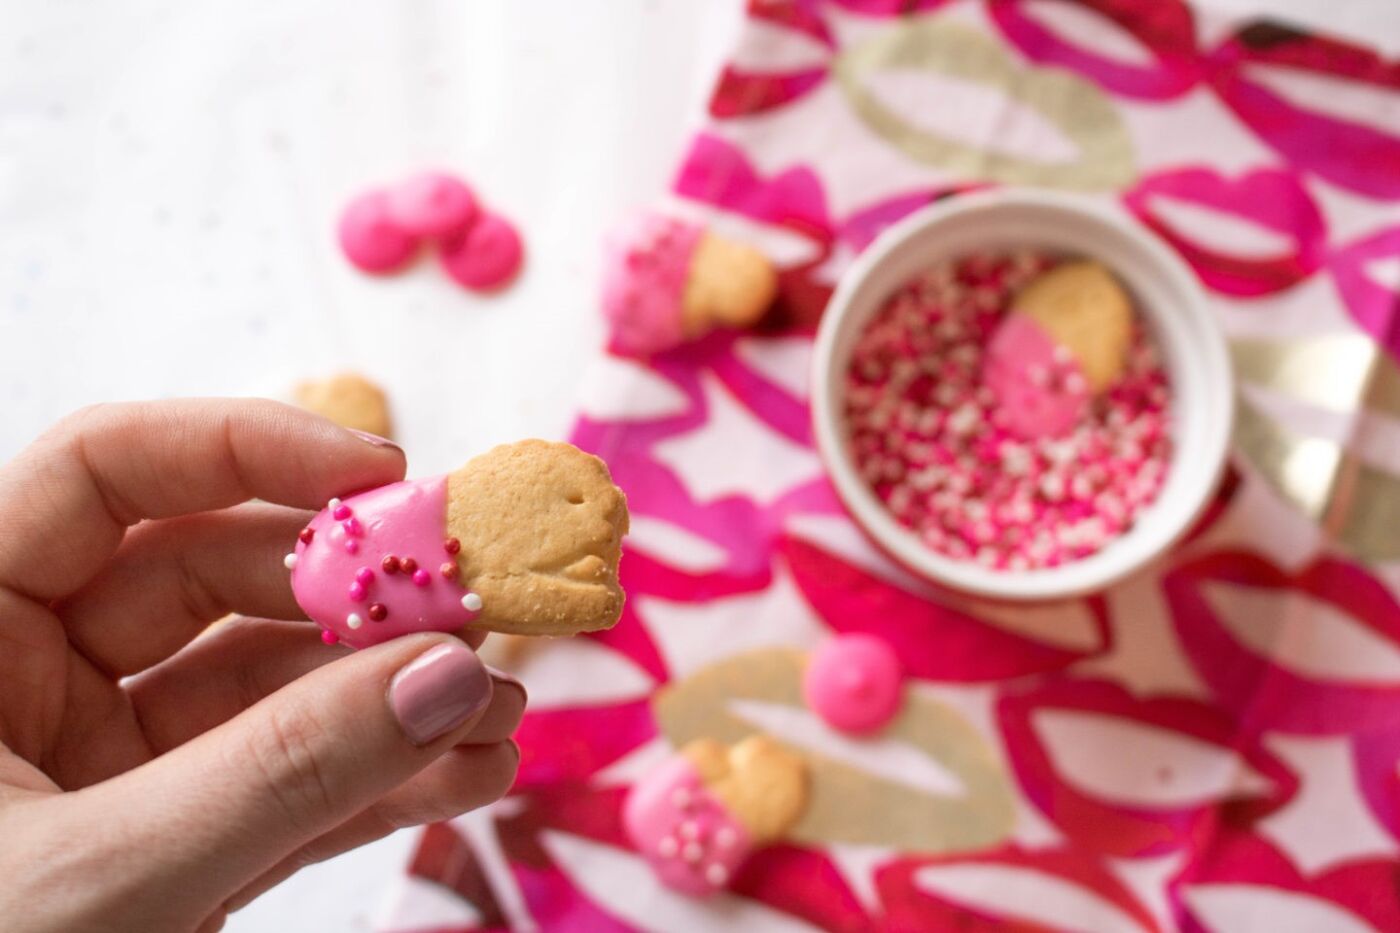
[170, 173]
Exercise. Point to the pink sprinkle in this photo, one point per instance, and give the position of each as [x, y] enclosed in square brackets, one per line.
[421, 577]
[329, 637]
[357, 592]
[352, 546]
[352, 527]
[928, 435]
[364, 575]
[341, 512]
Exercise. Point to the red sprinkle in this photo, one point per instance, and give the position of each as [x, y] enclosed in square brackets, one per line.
[378, 612]
[925, 435]
[452, 545]
[305, 535]
[448, 570]
[390, 564]
[408, 565]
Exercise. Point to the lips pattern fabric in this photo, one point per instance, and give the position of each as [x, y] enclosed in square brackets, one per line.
[1213, 745]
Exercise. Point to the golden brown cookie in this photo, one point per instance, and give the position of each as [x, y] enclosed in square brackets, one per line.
[1083, 308]
[540, 526]
[348, 399]
[729, 285]
[761, 783]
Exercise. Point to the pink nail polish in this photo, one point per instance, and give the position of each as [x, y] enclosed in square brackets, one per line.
[374, 440]
[438, 691]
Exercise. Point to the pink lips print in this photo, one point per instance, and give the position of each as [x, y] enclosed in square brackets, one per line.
[1244, 882]
[1338, 601]
[1374, 305]
[1008, 889]
[1133, 777]
[1356, 155]
[741, 92]
[1270, 198]
[1165, 27]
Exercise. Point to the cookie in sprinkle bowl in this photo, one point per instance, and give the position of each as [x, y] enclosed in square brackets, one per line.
[1021, 395]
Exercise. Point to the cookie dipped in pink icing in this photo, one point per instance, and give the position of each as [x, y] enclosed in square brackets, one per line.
[1064, 342]
[692, 841]
[380, 564]
[1040, 389]
[668, 280]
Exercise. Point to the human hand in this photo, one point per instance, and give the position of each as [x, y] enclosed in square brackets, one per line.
[151, 781]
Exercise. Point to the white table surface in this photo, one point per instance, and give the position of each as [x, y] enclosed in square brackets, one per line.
[169, 175]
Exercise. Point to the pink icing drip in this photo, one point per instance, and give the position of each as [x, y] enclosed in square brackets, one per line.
[1040, 394]
[407, 519]
[693, 843]
[644, 278]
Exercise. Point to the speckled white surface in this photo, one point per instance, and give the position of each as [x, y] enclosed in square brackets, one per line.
[169, 176]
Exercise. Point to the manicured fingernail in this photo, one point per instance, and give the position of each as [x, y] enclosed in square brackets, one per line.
[438, 691]
[374, 440]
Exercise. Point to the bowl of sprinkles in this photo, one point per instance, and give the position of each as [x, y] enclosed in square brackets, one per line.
[1021, 394]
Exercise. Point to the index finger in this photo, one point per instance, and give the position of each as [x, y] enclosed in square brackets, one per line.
[66, 501]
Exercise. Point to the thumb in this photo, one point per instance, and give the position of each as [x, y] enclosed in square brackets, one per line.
[215, 813]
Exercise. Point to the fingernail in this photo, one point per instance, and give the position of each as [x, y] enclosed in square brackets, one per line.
[374, 440]
[438, 691]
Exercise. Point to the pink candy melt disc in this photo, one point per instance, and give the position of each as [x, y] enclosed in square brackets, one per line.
[486, 256]
[432, 205]
[854, 683]
[369, 237]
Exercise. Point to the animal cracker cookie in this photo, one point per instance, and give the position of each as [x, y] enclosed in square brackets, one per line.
[1064, 341]
[699, 815]
[348, 399]
[524, 539]
[669, 280]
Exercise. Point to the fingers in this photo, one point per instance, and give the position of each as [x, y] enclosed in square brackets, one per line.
[245, 660]
[66, 500]
[227, 806]
[170, 579]
[460, 781]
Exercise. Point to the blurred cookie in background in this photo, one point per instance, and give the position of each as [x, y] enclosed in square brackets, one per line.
[348, 399]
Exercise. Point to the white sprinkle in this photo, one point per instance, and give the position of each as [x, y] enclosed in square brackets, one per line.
[690, 829]
[692, 852]
[715, 874]
[471, 602]
[724, 837]
[290, 562]
[333, 504]
[667, 847]
[353, 620]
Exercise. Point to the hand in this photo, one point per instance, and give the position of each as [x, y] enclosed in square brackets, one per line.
[154, 780]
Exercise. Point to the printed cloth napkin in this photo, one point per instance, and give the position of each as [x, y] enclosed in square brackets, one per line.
[1212, 744]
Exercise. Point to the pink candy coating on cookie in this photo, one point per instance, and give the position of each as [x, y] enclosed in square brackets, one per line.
[486, 255]
[645, 269]
[1041, 390]
[854, 683]
[393, 523]
[432, 204]
[690, 839]
[370, 238]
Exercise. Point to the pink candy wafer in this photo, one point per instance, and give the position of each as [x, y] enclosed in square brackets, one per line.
[486, 255]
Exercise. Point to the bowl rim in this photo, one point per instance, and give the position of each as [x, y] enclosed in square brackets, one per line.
[873, 518]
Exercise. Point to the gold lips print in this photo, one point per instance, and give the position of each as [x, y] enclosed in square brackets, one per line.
[1075, 107]
[926, 782]
[1355, 503]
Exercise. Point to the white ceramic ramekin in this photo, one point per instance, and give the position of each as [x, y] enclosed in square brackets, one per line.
[1167, 295]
